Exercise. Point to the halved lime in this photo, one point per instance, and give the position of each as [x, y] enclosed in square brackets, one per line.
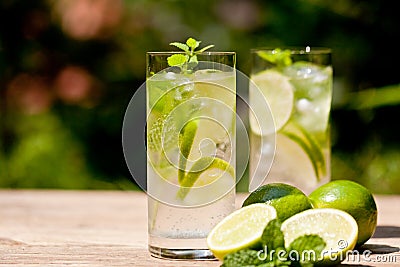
[337, 228]
[241, 229]
[278, 93]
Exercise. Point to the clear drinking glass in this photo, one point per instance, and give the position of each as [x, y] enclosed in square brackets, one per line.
[190, 151]
[296, 85]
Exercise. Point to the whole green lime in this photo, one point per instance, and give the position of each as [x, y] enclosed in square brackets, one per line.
[352, 198]
[286, 199]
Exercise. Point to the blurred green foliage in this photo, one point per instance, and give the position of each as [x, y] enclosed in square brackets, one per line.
[69, 67]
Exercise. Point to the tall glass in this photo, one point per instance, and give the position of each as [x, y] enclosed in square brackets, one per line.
[296, 85]
[191, 117]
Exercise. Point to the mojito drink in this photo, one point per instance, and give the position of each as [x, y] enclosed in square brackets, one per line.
[297, 89]
[190, 157]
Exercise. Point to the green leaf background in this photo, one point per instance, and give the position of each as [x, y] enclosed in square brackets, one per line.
[36, 43]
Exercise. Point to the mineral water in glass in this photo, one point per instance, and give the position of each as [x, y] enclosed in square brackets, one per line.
[190, 151]
[295, 85]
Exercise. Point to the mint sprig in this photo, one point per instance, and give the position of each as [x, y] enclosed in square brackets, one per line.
[272, 237]
[274, 253]
[304, 244]
[279, 57]
[188, 59]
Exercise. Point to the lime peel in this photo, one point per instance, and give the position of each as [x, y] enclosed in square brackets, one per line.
[286, 199]
[185, 143]
[310, 146]
[353, 198]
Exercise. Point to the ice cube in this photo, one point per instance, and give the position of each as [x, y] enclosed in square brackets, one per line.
[183, 89]
[315, 91]
[170, 76]
[303, 105]
[320, 77]
[301, 70]
[210, 75]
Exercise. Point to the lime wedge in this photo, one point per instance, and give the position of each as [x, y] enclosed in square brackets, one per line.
[241, 229]
[337, 228]
[200, 166]
[278, 92]
[186, 138]
[309, 145]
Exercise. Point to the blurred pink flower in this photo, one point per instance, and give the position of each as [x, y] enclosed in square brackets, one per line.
[74, 85]
[86, 19]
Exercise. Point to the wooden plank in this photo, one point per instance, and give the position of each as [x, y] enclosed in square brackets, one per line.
[109, 228]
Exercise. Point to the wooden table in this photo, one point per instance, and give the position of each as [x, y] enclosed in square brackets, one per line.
[108, 228]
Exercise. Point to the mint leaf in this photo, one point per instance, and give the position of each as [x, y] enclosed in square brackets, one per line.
[192, 62]
[307, 248]
[267, 264]
[274, 245]
[177, 60]
[181, 46]
[244, 257]
[192, 43]
[204, 49]
[277, 56]
[277, 263]
[193, 59]
[304, 251]
[272, 237]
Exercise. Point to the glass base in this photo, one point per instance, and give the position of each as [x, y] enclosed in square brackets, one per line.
[181, 254]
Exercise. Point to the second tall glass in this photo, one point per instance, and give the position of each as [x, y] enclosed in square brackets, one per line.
[296, 86]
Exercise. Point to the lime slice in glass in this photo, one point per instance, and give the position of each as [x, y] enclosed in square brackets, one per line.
[337, 228]
[199, 167]
[312, 151]
[241, 229]
[278, 93]
[186, 138]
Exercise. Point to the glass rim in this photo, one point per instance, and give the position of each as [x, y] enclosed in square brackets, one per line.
[296, 50]
[206, 53]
